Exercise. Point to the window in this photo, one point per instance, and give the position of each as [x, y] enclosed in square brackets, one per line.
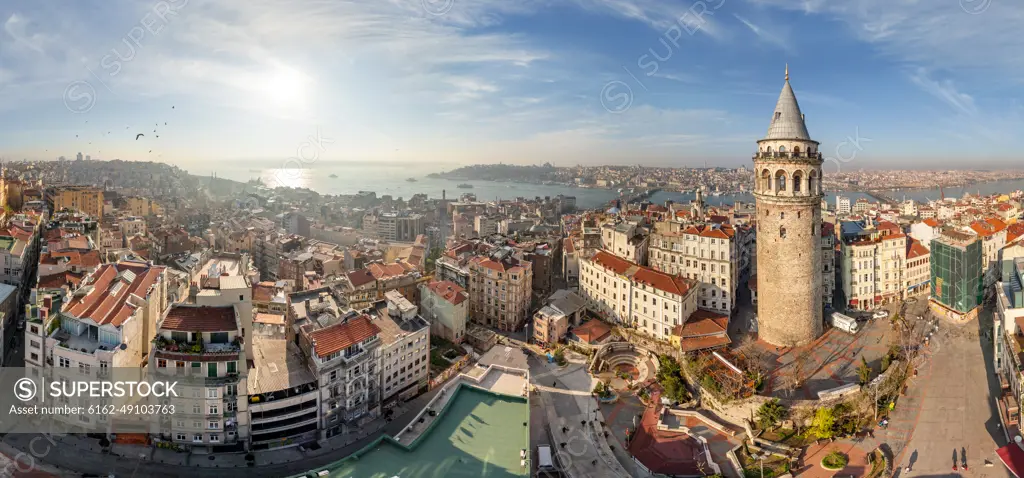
[211, 369]
[782, 232]
[180, 437]
[211, 393]
[83, 368]
[214, 409]
[213, 425]
[232, 367]
[161, 363]
[64, 362]
[197, 438]
[196, 410]
[214, 438]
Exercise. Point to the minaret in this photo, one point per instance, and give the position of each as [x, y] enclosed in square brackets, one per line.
[787, 189]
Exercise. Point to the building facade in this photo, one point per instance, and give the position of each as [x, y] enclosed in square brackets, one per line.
[707, 253]
[446, 306]
[500, 290]
[787, 190]
[957, 274]
[651, 301]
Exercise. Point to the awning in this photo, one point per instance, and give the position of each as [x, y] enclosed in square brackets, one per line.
[853, 301]
[878, 298]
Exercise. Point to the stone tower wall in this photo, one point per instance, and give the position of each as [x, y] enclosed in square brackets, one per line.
[789, 283]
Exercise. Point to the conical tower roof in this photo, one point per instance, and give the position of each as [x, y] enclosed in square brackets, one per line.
[787, 120]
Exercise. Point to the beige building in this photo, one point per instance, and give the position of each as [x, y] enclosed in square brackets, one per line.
[873, 267]
[143, 206]
[500, 290]
[133, 226]
[551, 322]
[446, 306]
[85, 199]
[707, 253]
[917, 272]
[621, 291]
[992, 232]
[205, 344]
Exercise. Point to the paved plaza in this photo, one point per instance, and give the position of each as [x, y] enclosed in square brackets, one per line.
[827, 363]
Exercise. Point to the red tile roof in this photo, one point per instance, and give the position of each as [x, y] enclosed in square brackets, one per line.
[54, 281]
[916, 249]
[932, 222]
[385, 271]
[592, 331]
[1013, 231]
[656, 279]
[1004, 207]
[693, 344]
[828, 229]
[449, 290]
[338, 337]
[200, 319]
[613, 262]
[263, 292]
[107, 300]
[264, 318]
[568, 246]
[360, 277]
[703, 322]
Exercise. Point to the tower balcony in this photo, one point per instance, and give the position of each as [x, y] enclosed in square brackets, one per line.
[787, 155]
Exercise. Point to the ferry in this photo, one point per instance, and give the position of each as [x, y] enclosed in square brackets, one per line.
[411, 180]
[333, 176]
[465, 186]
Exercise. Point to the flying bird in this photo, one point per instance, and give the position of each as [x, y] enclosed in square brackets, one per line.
[138, 136]
[157, 136]
[151, 151]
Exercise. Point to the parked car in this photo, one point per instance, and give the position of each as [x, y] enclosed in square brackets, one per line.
[880, 314]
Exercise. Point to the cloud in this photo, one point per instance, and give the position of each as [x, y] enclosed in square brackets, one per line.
[946, 91]
[771, 38]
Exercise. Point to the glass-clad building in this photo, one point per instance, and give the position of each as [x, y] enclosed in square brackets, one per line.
[956, 263]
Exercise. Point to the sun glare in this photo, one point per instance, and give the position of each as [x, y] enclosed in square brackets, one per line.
[286, 86]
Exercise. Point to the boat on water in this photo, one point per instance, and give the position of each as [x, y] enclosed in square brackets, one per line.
[333, 176]
[465, 186]
[411, 180]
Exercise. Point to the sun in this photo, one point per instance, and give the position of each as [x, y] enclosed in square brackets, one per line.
[285, 86]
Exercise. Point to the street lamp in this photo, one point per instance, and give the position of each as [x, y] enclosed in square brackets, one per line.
[760, 457]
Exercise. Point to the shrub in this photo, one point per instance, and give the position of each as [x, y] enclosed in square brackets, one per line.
[771, 413]
[835, 460]
[886, 361]
[863, 371]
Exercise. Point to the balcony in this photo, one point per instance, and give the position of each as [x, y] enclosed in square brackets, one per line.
[162, 344]
[786, 155]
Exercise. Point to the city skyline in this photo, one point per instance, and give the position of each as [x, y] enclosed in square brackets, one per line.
[459, 82]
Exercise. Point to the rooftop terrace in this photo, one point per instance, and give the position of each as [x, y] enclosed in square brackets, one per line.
[478, 434]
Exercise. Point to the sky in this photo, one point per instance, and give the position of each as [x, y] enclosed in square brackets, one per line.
[913, 84]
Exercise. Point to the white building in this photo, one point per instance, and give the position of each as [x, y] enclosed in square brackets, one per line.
[707, 253]
[842, 205]
[626, 240]
[446, 306]
[621, 291]
[405, 349]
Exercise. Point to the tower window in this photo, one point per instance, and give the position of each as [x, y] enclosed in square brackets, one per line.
[782, 215]
[778, 114]
[782, 232]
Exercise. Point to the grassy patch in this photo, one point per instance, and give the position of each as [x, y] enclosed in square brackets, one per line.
[442, 354]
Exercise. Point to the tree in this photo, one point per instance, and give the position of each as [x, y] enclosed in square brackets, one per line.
[771, 413]
[824, 420]
[755, 361]
[863, 371]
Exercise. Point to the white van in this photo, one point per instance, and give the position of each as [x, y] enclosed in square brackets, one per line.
[544, 462]
[844, 322]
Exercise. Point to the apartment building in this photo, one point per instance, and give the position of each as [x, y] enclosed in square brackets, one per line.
[706, 253]
[621, 291]
[85, 199]
[283, 395]
[400, 227]
[626, 240]
[446, 306]
[842, 205]
[562, 310]
[345, 358]
[992, 233]
[926, 230]
[107, 322]
[206, 344]
[873, 266]
[500, 290]
[828, 262]
[405, 348]
[1008, 336]
[917, 268]
[142, 206]
[294, 223]
[485, 225]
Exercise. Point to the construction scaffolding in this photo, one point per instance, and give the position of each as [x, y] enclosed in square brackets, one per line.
[957, 273]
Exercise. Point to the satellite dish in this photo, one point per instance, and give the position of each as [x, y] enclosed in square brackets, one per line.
[123, 346]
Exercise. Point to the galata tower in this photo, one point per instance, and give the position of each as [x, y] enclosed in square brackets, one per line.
[787, 189]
